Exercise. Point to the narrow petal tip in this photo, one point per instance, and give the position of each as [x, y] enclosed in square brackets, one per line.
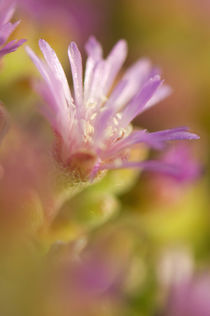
[73, 47]
[42, 42]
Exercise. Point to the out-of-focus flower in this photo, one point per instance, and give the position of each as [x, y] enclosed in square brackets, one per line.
[187, 292]
[181, 155]
[93, 127]
[191, 297]
[7, 8]
[85, 276]
[168, 188]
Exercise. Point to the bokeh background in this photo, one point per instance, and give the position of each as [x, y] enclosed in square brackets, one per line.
[154, 230]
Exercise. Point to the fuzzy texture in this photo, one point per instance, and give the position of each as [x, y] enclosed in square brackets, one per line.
[93, 126]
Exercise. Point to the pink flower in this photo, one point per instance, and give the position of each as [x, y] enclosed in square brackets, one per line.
[7, 9]
[93, 127]
[167, 188]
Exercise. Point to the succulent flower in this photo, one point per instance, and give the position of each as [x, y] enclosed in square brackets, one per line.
[7, 8]
[93, 127]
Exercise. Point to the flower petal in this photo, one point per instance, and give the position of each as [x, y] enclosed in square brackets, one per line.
[156, 140]
[137, 104]
[55, 66]
[115, 60]
[11, 47]
[135, 77]
[7, 9]
[6, 30]
[76, 68]
[163, 92]
[94, 51]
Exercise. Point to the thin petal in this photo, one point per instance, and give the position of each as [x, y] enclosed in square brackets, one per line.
[136, 106]
[135, 77]
[128, 142]
[115, 60]
[7, 9]
[76, 68]
[6, 30]
[93, 48]
[163, 92]
[180, 133]
[156, 140]
[55, 97]
[94, 51]
[48, 76]
[96, 94]
[55, 66]
[11, 47]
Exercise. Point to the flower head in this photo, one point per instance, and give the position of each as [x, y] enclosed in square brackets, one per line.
[7, 8]
[93, 127]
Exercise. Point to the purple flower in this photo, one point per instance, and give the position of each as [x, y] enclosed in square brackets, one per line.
[182, 157]
[7, 9]
[93, 126]
[169, 188]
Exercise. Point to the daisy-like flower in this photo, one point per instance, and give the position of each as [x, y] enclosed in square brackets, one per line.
[93, 126]
[7, 9]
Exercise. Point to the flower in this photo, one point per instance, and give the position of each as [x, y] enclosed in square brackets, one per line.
[85, 274]
[7, 9]
[166, 188]
[93, 127]
[182, 156]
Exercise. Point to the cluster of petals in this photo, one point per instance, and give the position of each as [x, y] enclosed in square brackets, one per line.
[7, 8]
[96, 119]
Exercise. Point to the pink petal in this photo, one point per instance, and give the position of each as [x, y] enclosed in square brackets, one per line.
[11, 47]
[56, 68]
[94, 51]
[6, 30]
[163, 92]
[76, 68]
[136, 106]
[115, 61]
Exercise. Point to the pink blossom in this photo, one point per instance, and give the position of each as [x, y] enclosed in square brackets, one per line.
[93, 126]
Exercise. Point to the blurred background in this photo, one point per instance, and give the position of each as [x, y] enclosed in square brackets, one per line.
[154, 230]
